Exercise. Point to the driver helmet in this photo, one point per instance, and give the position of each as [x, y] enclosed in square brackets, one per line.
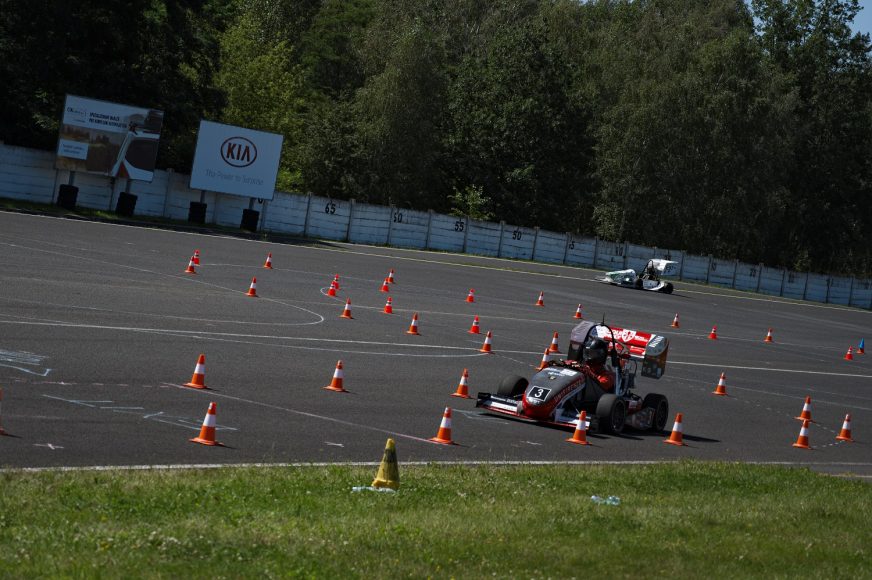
[595, 351]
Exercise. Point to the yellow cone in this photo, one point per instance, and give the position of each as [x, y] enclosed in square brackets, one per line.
[389, 471]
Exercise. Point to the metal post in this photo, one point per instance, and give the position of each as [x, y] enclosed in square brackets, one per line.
[851, 292]
[500, 246]
[783, 280]
[350, 218]
[306, 219]
[735, 269]
[681, 267]
[827, 295]
[805, 288]
[262, 224]
[167, 191]
[465, 232]
[568, 240]
[759, 276]
[535, 241]
[626, 254]
[429, 224]
[595, 251]
[708, 271]
[111, 192]
[390, 223]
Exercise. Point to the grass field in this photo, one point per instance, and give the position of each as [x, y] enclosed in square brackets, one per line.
[686, 520]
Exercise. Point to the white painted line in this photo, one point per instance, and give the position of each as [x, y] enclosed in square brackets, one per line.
[312, 415]
[723, 366]
[303, 464]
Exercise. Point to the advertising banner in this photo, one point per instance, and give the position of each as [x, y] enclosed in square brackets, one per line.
[237, 161]
[108, 138]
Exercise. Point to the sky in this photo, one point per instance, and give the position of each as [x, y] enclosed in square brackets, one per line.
[863, 21]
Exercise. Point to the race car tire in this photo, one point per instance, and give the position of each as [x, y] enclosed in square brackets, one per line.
[611, 412]
[661, 410]
[512, 386]
[668, 288]
[638, 283]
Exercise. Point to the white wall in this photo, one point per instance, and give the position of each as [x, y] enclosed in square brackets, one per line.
[29, 175]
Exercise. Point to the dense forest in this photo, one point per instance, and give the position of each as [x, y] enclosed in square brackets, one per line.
[741, 129]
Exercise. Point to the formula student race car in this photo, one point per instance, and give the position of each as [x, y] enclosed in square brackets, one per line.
[649, 279]
[559, 392]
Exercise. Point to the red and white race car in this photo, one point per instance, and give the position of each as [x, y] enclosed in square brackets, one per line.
[558, 393]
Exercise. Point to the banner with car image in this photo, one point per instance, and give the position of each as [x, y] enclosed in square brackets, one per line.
[108, 138]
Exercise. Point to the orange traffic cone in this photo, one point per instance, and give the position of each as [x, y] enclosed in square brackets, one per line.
[196, 258]
[540, 301]
[474, 329]
[802, 440]
[444, 434]
[471, 296]
[268, 263]
[336, 281]
[844, 434]
[332, 290]
[2, 431]
[391, 277]
[580, 435]
[252, 290]
[806, 411]
[190, 269]
[338, 376]
[486, 347]
[677, 436]
[462, 387]
[768, 336]
[544, 363]
[850, 354]
[713, 335]
[389, 306]
[675, 322]
[346, 313]
[207, 431]
[578, 314]
[198, 379]
[554, 346]
[385, 287]
[413, 328]
[721, 389]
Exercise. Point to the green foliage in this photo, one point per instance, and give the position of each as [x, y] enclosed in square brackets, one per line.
[472, 202]
[725, 127]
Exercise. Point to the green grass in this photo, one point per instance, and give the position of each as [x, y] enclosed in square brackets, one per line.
[685, 520]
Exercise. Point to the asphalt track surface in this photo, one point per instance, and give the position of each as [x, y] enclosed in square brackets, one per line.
[99, 327]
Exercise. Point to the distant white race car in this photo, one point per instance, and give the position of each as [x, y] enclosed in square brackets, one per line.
[649, 279]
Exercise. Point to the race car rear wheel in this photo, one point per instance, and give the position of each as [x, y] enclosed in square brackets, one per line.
[512, 386]
[611, 412]
[661, 410]
[667, 289]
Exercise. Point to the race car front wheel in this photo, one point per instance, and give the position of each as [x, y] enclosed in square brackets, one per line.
[512, 386]
[611, 412]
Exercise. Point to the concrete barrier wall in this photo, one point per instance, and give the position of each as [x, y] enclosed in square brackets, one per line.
[861, 294]
[29, 175]
[550, 247]
[581, 251]
[447, 232]
[517, 243]
[610, 255]
[408, 228]
[328, 218]
[483, 238]
[370, 224]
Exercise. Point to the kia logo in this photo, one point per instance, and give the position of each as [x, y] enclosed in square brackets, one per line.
[238, 152]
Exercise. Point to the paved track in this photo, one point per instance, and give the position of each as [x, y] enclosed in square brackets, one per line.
[99, 326]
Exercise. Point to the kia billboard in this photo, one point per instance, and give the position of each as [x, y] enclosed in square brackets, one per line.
[236, 161]
[108, 138]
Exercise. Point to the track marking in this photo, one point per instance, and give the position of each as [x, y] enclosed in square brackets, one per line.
[827, 373]
[472, 463]
[314, 416]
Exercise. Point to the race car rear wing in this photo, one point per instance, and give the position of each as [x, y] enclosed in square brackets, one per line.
[650, 349]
